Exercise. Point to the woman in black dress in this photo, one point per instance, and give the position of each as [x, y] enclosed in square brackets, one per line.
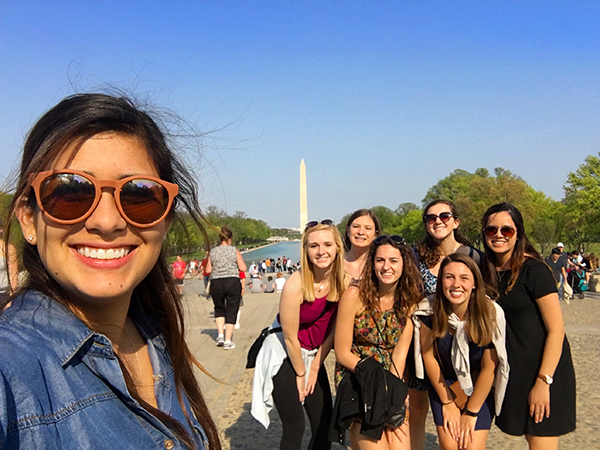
[540, 396]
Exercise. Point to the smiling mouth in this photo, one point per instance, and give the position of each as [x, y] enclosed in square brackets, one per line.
[103, 253]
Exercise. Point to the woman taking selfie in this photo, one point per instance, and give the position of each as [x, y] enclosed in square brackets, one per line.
[289, 367]
[361, 228]
[373, 322]
[93, 350]
[540, 396]
[462, 344]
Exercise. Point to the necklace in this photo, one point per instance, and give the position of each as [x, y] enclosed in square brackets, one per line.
[137, 379]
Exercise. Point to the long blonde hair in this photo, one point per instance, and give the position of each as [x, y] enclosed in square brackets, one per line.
[336, 274]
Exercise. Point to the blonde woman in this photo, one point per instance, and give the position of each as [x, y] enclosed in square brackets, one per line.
[289, 367]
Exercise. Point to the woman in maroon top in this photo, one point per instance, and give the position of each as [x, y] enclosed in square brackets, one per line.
[306, 311]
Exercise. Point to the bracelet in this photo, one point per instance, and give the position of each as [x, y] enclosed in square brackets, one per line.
[300, 376]
[467, 412]
[447, 403]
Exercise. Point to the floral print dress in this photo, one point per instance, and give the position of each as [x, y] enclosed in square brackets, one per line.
[366, 340]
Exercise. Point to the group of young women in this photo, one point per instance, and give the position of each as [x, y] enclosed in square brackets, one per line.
[474, 335]
[92, 345]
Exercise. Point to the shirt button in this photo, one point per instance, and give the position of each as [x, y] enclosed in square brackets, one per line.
[168, 444]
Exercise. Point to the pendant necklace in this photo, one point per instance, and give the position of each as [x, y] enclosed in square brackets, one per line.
[139, 381]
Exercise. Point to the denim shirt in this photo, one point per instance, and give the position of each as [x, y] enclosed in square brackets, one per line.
[61, 386]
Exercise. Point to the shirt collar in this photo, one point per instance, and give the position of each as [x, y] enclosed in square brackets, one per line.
[37, 313]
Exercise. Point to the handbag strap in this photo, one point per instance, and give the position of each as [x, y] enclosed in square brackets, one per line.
[383, 343]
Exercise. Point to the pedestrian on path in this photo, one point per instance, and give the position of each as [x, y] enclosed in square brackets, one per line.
[179, 273]
[224, 265]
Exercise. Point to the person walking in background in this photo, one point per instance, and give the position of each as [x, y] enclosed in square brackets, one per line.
[361, 228]
[93, 344]
[224, 264]
[289, 369]
[558, 266]
[205, 274]
[540, 396]
[179, 273]
[243, 285]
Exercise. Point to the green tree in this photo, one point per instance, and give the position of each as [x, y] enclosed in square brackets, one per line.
[411, 227]
[474, 193]
[387, 217]
[405, 208]
[582, 202]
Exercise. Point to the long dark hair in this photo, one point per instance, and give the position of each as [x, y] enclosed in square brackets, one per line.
[523, 248]
[480, 318]
[72, 121]
[409, 289]
[355, 215]
[428, 248]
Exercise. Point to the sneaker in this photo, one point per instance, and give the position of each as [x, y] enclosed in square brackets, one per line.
[220, 341]
[229, 345]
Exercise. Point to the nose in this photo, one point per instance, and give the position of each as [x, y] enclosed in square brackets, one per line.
[106, 217]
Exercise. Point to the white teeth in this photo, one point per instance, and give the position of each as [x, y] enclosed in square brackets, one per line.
[100, 253]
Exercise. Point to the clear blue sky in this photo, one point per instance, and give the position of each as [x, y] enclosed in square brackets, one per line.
[381, 98]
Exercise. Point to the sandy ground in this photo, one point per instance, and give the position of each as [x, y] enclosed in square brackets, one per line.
[230, 401]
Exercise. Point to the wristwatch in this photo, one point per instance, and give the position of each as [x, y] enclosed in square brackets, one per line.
[546, 378]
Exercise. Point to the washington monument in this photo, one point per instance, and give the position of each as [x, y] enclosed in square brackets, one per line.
[303, 202]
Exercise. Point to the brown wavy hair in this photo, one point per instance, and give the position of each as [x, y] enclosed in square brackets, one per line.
[355, 215]
[409, 290]
[72, 121]
[481, 314]
[428, 247]
[523, 247]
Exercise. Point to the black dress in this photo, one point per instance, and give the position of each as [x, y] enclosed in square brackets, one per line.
[525, 339]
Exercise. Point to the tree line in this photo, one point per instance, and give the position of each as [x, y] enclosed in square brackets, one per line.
[574, 220]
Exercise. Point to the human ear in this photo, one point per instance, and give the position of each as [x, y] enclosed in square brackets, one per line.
[26, 217]
[456, 223]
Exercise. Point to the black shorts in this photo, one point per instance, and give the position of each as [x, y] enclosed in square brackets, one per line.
[179, 281]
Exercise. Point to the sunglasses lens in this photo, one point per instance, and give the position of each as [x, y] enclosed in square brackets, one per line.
[430, 218]
[144, 201]
[490, 231]
[312, 223]
[67, 196]
[507, 232]
[445, 216]
[397, 239]
[327, 222]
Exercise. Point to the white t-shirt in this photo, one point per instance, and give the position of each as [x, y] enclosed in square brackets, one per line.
[279, 282]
